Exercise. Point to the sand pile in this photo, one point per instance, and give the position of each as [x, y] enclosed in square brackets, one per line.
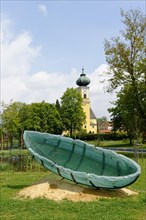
[58, 189]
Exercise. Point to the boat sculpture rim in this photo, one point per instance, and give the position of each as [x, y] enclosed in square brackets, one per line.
[85, 178]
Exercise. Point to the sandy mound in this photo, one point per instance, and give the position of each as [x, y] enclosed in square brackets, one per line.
[58, 189]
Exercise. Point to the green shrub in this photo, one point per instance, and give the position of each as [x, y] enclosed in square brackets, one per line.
[101, 136]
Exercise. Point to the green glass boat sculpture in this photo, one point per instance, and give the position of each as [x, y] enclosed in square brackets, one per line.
[81, 162]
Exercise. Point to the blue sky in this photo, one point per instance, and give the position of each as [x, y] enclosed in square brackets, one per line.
[46, 43]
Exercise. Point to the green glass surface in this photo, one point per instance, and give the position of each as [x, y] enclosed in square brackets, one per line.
[81, 162]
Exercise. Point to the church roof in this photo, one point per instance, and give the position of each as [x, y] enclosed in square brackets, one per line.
[92, 115]
[83, 80]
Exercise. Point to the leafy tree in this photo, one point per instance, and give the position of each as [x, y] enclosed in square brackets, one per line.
[42, 117]
[17, 117]
[125, 115]
[72, 113]
[103, 119]
[10, 120]
[126, 57]
[57, 105]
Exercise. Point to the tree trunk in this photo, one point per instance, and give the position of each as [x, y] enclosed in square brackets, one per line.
[71, 132]
[11, 142]
[21, 142]
[2, 141]
[131, 140]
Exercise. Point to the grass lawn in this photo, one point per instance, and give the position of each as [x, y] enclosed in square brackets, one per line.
[120, 143]
[12, 208]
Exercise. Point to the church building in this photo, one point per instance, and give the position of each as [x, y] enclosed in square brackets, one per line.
[83, 88]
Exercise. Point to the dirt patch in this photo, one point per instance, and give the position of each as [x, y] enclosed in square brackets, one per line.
[59, 189]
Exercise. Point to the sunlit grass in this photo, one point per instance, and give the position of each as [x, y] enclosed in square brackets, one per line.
[116, 144]
[12, 208]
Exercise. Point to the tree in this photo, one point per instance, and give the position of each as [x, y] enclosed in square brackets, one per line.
[10, 120]
[103, 119]
[72, 113]
[17, 117]
[125, 115]
[126, 58]
[101, 122]
[43, 117]
[57, 105]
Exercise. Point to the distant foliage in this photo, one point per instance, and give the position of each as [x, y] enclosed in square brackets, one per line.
[101, 136]
[17, 117]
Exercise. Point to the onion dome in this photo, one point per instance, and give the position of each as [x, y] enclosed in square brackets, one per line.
[83, 80]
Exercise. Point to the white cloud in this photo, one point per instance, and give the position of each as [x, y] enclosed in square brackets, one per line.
[17, 55]
[4, 26]
[20, 84]
[100, 99]
[43, 9]
[49, 86]
[43, 80]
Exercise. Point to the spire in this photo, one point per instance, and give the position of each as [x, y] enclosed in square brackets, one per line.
[83, 74]
[83, 79]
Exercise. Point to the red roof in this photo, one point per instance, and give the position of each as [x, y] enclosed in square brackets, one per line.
[104, 131]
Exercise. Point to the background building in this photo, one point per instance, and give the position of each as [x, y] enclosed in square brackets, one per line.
[105, 126]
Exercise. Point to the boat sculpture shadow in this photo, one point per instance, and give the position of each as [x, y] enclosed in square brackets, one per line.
[81, 162]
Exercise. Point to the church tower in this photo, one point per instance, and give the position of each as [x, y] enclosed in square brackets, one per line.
[83, 88]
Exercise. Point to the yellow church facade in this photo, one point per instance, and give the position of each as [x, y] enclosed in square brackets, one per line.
[90, 124]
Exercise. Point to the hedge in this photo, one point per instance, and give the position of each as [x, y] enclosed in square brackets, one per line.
[101, 136]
